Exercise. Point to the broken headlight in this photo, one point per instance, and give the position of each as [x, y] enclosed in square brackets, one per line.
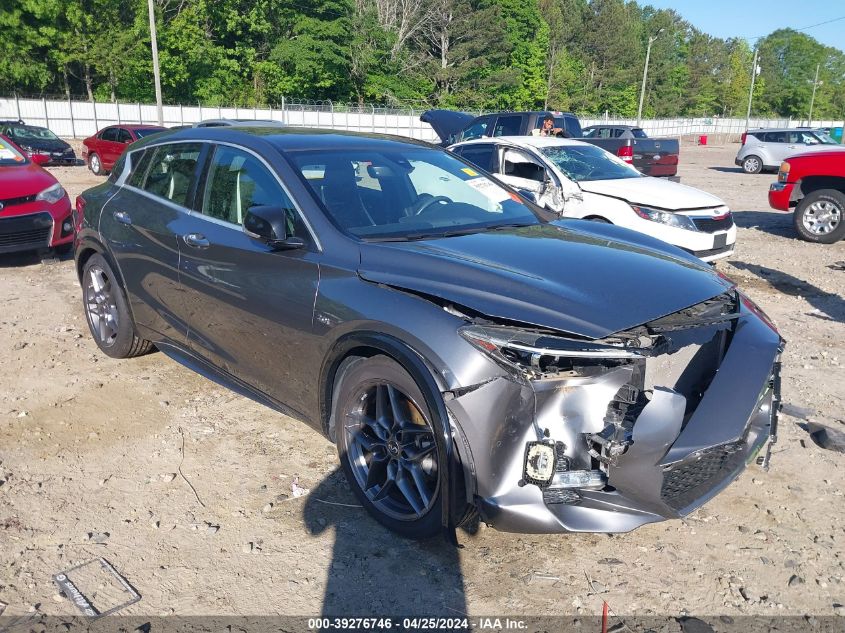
[668, 218]
[533, 353]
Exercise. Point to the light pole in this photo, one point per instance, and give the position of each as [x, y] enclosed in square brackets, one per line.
[813, 98]
[645, 75]
[156, 73]
[755, 70]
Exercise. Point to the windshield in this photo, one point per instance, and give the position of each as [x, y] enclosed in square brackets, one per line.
[408, 193]
[141, 133]
[587, 162]
[31, 133]
[825, 138]
[9, 155]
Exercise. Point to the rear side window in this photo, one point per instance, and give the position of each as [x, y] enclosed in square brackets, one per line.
[140, 161]
[476, 130]
[171, 171]
[775, 137]
[109, 134]
[507, 126]
[236, 181]
[480, 155]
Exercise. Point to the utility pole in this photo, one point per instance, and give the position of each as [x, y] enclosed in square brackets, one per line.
[645, 76]
[813, 98]
[156, 72]
[754, 71]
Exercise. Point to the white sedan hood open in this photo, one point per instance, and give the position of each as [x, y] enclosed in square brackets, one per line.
[653, 192]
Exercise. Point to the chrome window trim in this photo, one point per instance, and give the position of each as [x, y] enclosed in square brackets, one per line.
[315, 240]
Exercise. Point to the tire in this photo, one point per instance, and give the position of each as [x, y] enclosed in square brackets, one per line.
[95, 164]
[752, 164]
[820, 216]
[107, 312]
[385, 440]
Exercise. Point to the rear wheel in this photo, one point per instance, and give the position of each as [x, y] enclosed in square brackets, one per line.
[820, 216]
[107, 312]
[95, 165]
[752, 164]
[385, 439]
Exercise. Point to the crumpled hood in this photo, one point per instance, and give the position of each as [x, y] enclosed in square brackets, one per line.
[655, 192]
[573, 276]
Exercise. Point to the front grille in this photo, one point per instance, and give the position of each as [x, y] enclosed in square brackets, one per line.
[8, 202]
[687, 482]
[25, 232]
[711, 225]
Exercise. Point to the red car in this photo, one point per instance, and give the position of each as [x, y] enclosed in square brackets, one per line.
[101, 151]
[34, 208]
[814, 186]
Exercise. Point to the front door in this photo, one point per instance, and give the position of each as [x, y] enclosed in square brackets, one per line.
[249, 308]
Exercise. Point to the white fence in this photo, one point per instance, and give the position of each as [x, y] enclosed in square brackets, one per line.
[80, 119]
[715, 128]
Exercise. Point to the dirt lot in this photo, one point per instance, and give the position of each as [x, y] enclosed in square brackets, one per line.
[91, 451]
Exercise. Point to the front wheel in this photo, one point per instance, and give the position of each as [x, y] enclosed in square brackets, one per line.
[107, 312]
[819, 216]
[385, 439]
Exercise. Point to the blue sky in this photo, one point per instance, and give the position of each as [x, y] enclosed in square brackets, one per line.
[734, 18]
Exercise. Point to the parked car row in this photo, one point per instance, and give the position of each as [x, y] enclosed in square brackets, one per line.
[653, 157]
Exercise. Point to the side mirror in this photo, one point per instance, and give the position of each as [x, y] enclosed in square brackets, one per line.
[269, 224]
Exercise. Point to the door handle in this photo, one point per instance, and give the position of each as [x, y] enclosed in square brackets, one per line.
[122, 217]
[196, 240]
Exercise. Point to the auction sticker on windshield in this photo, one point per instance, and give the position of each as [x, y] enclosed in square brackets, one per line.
[490, 190]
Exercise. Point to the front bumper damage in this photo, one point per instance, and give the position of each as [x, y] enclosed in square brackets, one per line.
[629, 442]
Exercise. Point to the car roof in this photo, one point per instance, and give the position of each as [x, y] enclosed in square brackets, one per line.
[783, 129]
[289, 139]
[526, 141]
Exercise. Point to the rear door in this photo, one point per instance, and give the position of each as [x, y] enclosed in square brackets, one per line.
[141, 224]
[775, 148]
[249, 309]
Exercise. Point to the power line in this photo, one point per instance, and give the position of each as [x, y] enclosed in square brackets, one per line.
[804, 28]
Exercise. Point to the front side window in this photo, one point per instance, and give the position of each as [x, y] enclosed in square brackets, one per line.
[638, 133]
[171, 171]
[587, 162]
[123, 136]
[520, 165]
[236, 181]
[421, 193]
[507, 126]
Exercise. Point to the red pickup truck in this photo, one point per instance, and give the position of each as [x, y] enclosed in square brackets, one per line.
[813, 185]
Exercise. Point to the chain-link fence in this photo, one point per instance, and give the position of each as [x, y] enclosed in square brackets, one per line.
[79, 117]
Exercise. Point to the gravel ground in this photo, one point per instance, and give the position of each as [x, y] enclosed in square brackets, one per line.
[96, 455]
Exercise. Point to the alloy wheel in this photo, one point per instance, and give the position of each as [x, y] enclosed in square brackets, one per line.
[752, 165]
[822, 217]
[101, 307]
[95, 163]
[391, 449]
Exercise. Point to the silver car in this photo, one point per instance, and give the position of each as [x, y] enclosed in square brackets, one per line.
[767, 148]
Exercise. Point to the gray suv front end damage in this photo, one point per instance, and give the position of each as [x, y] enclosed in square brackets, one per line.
[605, 436]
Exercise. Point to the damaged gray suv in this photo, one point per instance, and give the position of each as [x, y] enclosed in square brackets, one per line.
[469, 353]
